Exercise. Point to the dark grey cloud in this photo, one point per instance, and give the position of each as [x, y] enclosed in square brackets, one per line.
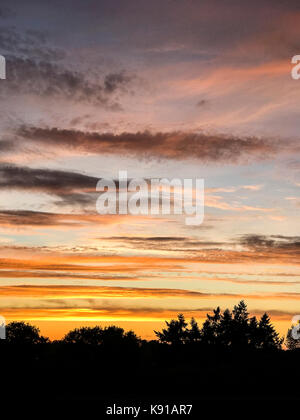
[162, 27]
[6, 12]
[114, 81]
[149, 238]
[79, 199]
[50, 80]
[170, 243]
[202, 103]
[47, 180]
[28, 44]
[6, 146]
[37, 67]
[168, 145]
[28, 218]
[273, 242]
[70, 188]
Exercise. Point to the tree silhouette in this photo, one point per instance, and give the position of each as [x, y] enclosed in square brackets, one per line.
[227, 329]
[241, 337]
[223, 330]
[175, 333]
[84, 335]
[234, 330]
[210, 330]
[194, 333]
[111, 336]
[24, 333]
[269, 338]
[254, 339]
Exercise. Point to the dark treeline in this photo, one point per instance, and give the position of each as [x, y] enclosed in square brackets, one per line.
[231, 356]
[233, 331]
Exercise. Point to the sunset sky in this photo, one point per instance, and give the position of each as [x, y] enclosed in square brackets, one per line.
[161, 88]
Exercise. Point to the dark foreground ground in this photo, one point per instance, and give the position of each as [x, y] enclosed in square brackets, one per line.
[77, 377]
